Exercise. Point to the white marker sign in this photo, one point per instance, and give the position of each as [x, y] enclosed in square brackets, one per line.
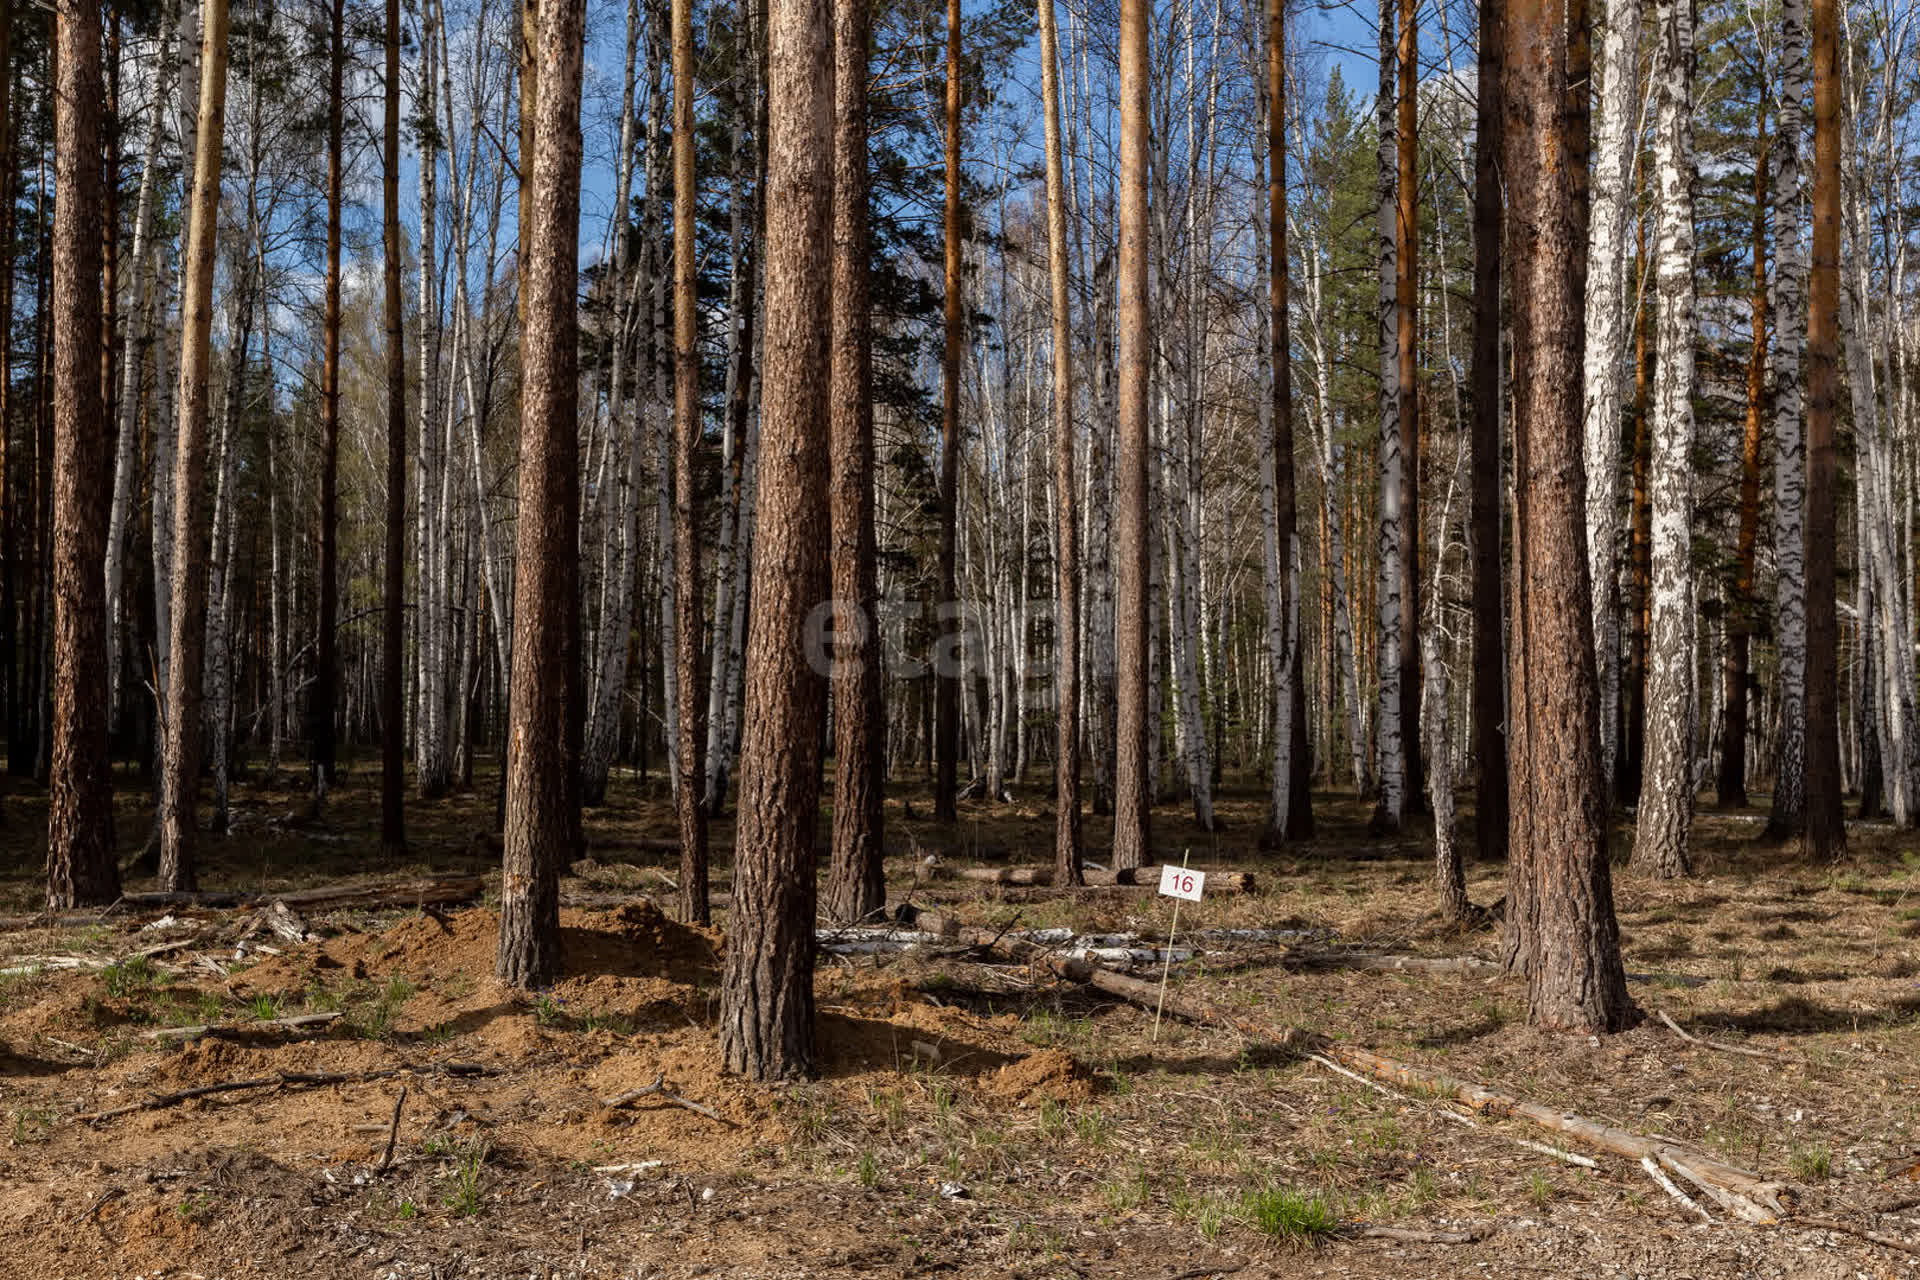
[1179, 882]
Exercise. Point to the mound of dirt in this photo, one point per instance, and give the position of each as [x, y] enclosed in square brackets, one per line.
[633, 940]
[1051, 1074]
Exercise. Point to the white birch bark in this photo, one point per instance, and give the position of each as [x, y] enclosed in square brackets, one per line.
[133, 366]
[1389, 749]
[1616, 135]
[1667, 791]
[1789, 427]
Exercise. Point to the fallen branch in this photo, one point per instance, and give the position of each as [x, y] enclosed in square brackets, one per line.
[393, 1133]
[1848, 1229]
[305, 1079]
[1411, 1236]
[658, 1089]
[1743, 1194]
[1723, 1048]
[298, 1022]
[1567, 1157]
[1665, 1183]
[425, 891]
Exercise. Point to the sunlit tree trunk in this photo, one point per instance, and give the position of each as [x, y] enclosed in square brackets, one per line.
[766, 995]
[1790, 471]
[1665, 815]
[180, 784]
[1561, 927]
[1389, 749]
[540, 825]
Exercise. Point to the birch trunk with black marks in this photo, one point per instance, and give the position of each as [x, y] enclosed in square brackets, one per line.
[1665, 815]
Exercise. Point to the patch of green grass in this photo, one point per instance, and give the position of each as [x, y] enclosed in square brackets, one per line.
[465, 1196]
[1810, 1163]
[1541, 1189]
[31, 1125]
[128, 978]
[1128, 1192]
[869, 1171]
[1287, 1214]
[1091, 1128]
[550, 1010]
[407, 1211]
[264, 1008]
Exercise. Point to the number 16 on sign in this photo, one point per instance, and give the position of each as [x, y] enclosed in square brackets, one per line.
[1177, 883]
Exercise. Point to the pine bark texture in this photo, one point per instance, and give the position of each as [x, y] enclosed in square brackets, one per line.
[180, 782]
[766, 996]
[857, 886]
[1066, 826]
[1825, 831]
[326, 677]
[691, 686]
[81, 870]
[1562, 930]
[546, 602]
[1665, 815]
[1133, 775]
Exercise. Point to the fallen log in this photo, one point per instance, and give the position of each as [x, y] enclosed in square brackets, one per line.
[297, 1023]
[1125, 878]
[1743, 1194]
[423, 892]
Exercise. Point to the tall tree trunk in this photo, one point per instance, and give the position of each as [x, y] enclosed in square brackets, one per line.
[1390, 659]
[1731, 788]
[326, 674]
[1787, 817]
[133, 365]
[690, 795]
[81, 869]
[1286, 810]
[180, 784]
[1825, 831]
[1665, 815]
[541, 827]
[1133, 775]
[946, 730]
[857, 886]
[766, 996]
[1066, 762]
[1616, 144]
[1407, 389]
[1562, 929]
[1489, 666]
[393, 722]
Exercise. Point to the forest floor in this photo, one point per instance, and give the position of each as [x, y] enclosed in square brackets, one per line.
[972, 1120]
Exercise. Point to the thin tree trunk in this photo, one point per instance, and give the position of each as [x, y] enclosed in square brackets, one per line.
[1133, 776]
[1665, 815]
[946, 749]
[1489, 666]
[1390, 659]
[857, 886]
[181, 781]
[1790, 468]
[326, 676]
[690, 794]
[1731, 787]
[393, 725]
